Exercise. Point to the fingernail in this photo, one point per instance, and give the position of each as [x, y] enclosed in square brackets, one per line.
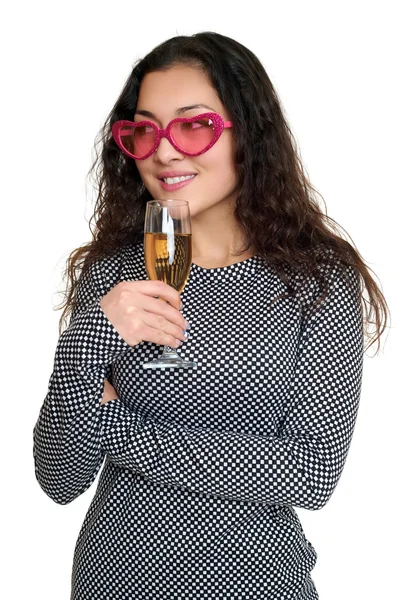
[186, 335]
[181, 306]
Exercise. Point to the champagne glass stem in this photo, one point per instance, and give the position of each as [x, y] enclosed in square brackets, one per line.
[169, 352]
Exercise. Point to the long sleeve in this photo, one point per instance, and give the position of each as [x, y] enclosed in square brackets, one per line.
[301, 463]
[67, 435]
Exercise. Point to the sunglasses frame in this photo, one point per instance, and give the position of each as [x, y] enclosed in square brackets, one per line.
[218, 122]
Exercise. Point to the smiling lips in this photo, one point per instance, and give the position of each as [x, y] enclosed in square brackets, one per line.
[174, 181]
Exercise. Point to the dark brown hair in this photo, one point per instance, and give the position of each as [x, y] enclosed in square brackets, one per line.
[276, 204]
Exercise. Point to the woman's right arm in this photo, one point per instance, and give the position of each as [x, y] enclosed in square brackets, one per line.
[105, 324]
[67, 448]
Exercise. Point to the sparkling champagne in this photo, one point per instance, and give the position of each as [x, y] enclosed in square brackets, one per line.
[168, 258]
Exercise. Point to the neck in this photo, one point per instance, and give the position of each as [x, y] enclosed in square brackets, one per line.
[218, 240]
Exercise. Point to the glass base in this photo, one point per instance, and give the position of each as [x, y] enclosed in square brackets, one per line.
[170, 359]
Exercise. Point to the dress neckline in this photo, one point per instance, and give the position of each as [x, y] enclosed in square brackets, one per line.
[243, 267]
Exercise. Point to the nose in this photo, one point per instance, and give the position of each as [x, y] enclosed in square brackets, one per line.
[166, 152]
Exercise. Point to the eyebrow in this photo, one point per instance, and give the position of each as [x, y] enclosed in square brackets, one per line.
[179, 111]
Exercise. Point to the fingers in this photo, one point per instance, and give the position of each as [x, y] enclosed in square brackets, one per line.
[162, 309]
[158, 289]
[137, 311]
[150, 327]
[157, 336]
[166, 330]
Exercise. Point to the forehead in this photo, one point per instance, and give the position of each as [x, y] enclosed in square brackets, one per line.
[163, 92]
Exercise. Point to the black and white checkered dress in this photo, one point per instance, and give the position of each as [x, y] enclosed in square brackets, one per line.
[202, 468]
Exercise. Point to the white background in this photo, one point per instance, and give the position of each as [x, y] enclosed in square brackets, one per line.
[342, 72]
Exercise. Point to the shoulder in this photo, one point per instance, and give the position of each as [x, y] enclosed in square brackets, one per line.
[124, 263]
[332, 281]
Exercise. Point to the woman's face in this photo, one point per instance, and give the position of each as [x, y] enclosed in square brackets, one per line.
[167, 95]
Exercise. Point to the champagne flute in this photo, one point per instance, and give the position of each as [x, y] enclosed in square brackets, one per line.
[167, 252]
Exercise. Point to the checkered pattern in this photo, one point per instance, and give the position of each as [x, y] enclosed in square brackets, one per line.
[203, 468]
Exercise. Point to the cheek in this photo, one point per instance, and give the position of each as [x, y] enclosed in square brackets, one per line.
[219, 181]
[144, 172]
[225, 158]
[220, 160]
[224, 171]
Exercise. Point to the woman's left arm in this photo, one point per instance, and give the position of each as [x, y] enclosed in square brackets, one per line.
[298, 466]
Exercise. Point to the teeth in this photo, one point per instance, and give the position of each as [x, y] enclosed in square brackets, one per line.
[171, 180]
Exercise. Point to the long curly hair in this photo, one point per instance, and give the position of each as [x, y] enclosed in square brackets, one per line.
[277, 207]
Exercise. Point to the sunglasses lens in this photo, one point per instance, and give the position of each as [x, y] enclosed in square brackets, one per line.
[193, 136]
[139, 140]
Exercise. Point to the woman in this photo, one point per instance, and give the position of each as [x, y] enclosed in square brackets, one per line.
[203, 468]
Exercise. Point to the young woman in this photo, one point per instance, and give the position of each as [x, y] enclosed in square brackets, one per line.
[203, 467]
